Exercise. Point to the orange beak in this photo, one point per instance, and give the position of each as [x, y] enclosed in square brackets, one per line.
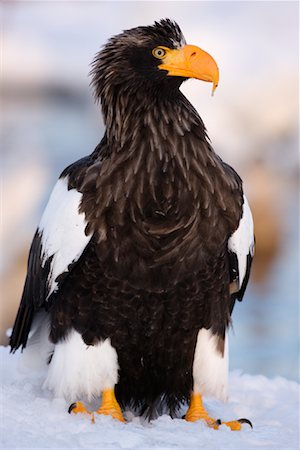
[191, 62]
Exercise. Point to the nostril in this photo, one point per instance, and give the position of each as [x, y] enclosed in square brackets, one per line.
[193, 54]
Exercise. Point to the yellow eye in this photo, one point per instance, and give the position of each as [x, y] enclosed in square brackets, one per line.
[159, 52]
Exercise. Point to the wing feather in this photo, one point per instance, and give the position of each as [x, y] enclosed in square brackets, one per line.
[241, 251]
[57, 245]
[62, 231]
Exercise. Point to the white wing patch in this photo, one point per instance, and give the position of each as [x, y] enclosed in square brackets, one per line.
[242, 240]
[62, 231]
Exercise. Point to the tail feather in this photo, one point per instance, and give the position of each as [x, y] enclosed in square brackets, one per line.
[21, 327]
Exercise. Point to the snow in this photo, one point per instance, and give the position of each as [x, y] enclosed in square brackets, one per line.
[31, 418]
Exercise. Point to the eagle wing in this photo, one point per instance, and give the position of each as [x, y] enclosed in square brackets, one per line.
[241, 251]
[57, 245]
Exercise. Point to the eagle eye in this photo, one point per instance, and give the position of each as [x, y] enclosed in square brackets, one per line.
[159, 52]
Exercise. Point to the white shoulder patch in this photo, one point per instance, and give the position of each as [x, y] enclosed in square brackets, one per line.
[242, 240]
[62, 231]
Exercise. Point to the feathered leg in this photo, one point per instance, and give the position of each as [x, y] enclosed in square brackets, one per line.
[210, 373]
[78, 371]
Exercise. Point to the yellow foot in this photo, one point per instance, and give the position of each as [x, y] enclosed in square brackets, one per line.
[79, 407]
[110, 406]
[196, 411]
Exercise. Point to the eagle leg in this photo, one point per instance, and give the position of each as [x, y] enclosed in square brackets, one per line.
[79, 407]
[196, 411]
[109, 405]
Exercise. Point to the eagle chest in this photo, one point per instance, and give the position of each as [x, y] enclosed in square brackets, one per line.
[153, 229]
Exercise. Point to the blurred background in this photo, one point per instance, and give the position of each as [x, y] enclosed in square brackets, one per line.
[48, 120]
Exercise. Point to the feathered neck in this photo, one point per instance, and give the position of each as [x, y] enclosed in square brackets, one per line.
[156, 135]
[159, 118]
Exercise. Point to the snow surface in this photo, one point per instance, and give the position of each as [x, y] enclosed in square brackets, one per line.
[31, 418]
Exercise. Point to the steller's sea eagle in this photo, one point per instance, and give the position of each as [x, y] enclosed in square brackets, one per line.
[144, 245]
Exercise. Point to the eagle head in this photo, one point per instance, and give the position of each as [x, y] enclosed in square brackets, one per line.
[152, 58]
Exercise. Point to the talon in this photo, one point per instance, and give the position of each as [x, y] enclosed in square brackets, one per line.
[213, 423]
[79, 407]
[71, 407]
[246, 421]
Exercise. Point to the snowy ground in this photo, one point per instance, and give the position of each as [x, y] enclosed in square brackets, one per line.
[32, 419]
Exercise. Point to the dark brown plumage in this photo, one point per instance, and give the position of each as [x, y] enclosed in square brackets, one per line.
[160, 207]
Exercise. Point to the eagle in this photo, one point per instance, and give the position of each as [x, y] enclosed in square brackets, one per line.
[144, 246]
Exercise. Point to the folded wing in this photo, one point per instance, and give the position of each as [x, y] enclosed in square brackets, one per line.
[57, 245]
[241, 251]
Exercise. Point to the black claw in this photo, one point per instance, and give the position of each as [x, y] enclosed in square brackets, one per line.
[218, 422]
[72, 406]
[183, 417]
[246, 421]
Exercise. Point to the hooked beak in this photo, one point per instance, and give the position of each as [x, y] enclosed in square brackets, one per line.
[191, 62]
